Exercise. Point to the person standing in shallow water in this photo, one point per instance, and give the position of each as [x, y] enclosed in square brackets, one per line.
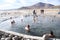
[34, 13]
[34, 16]
[27, 28]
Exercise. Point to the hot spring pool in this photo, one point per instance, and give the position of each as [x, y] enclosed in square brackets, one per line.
[43, 24]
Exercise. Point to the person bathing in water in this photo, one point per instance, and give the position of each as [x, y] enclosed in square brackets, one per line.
[27, 28]
[47, 36]
[13, 22]
[51, 35]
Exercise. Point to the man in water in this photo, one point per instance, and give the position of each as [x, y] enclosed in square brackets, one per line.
[51, 35]
[34, 13]
[13, 22]
[47, 36]
[27, 28]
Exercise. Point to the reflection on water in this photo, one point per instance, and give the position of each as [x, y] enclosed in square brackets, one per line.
[39, 26]
[35, 19]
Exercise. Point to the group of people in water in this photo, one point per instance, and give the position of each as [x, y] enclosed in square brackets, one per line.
[27, 28]
[51, 34]
[45, 36]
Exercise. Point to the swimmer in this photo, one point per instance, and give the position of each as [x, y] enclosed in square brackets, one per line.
[51, 35]
[10, 17]
[13, 22]
[47, 36]
[22, 20]
[27, 28]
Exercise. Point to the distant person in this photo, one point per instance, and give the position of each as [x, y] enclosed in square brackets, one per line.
[54, 16]
[52, 20]
[22, 20]
[35, 20]
[13, 22]
[10, 17]
[34, 12]
[27, 28]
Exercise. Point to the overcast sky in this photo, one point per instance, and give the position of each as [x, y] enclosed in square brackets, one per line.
[13, 4]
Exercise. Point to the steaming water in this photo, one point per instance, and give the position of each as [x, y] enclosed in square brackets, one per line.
[43, 24]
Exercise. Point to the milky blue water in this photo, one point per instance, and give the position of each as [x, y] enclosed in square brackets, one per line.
[43, 24]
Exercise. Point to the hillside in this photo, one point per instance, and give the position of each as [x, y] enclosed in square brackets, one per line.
[38, 5]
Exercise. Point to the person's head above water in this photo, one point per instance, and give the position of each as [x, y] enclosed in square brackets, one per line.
[27, 28]
[28, 25]
[51, 32]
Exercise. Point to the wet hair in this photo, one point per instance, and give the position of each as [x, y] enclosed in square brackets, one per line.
[28, 26]
[34, 12]
[51, 32]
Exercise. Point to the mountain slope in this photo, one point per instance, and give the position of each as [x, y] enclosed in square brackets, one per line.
[42, 5]
[38, 5]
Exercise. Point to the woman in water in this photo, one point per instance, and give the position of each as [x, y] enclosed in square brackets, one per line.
[27, 28]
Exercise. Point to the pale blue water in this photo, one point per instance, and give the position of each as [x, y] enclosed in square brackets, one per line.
[43, 25]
